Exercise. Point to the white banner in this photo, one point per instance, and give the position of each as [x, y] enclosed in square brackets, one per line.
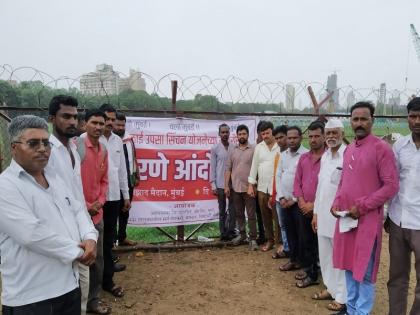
[173, 155]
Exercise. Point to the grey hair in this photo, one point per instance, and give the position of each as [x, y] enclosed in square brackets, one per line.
[20, 123]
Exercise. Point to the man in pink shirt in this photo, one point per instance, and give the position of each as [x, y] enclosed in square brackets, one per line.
[94, 171]
[306, 181]
[368, 180]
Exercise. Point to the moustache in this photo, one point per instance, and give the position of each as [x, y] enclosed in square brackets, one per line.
[360, 129]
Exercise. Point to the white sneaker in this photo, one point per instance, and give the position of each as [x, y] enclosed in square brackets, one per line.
[253, 245]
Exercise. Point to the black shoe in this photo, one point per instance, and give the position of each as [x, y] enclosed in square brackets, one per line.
[119, 267]
[115, 258]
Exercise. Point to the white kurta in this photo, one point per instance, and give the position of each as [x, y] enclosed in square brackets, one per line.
[328, 180]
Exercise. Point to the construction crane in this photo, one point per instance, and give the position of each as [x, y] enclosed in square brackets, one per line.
[416, 40]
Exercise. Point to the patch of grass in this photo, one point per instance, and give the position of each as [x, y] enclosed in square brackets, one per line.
[153, 235]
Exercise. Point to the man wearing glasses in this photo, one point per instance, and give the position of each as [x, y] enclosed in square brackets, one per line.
[44, 229]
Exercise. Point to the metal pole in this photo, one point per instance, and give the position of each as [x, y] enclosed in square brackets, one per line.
[180, 229]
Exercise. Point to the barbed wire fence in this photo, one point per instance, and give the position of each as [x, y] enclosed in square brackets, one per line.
[27, 90]
[227, 94]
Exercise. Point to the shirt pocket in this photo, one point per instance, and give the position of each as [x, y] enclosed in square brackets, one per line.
[336, 176]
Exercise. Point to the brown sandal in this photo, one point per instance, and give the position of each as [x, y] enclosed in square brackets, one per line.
[116, 291]
[300, 275]
[289, 266]
[322, 296]
[336, 307]
[100, 309]
[306, 283]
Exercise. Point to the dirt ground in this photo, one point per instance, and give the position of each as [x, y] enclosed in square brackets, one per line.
[221, 281]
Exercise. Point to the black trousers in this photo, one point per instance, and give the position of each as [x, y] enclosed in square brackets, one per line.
[291, 221]
[308, 246]
[66, 304]
[227, 217]
[123, 218]
[111, 209]
[260, 223]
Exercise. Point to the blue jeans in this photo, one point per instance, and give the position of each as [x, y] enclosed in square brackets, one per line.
[361, 295]
[280, 215]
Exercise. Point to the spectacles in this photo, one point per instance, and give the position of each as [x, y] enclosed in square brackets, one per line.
[35, 144]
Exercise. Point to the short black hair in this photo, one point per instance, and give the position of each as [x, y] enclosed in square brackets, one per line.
[107, 108]
[242, 127]
[266, 125]
[223, 125]
[414, 105]
[121, 116]
[259, 125]
[317, 124]
[94, 113]
[295, 128]
[363, 104]
[280, 129]
[57, 100]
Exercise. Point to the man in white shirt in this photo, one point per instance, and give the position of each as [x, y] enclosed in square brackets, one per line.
[132, 177]
[285, 180]
[65, 162]
[44, 230]
[117, 184]
[404, 215]
[323, 222]
[263, 168]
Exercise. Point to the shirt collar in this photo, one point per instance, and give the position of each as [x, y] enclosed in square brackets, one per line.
[247, 146]
[301, 150]
[340, 150]
[273, 148]
[18, 170]
[366, 139]
[57, 143]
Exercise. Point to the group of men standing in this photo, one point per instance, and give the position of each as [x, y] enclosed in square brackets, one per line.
[326, 204]
[62, 196]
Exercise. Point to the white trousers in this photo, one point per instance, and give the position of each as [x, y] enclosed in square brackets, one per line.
[334, 279]
[84, 285]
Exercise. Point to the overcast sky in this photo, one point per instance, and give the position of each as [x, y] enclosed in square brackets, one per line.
[366, 41]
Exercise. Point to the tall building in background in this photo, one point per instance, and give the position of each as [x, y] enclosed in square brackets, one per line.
[333, 102]
[290, 98]
[106, 81]
[395, 99]
[382, 94]
[351, 99]
[134, 82]
[101, 82]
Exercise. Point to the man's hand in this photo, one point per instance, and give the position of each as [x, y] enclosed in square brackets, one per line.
[94, 208]
[290, 203]
[89, 255]
[314, 223]
[227, 192]
[214, 191]
[251, 190]
[92, 212]
[270, 203]
[126, 206]
[97, 205]
[283, 203]
[354, 212]
[333, 211]
[308, 208]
